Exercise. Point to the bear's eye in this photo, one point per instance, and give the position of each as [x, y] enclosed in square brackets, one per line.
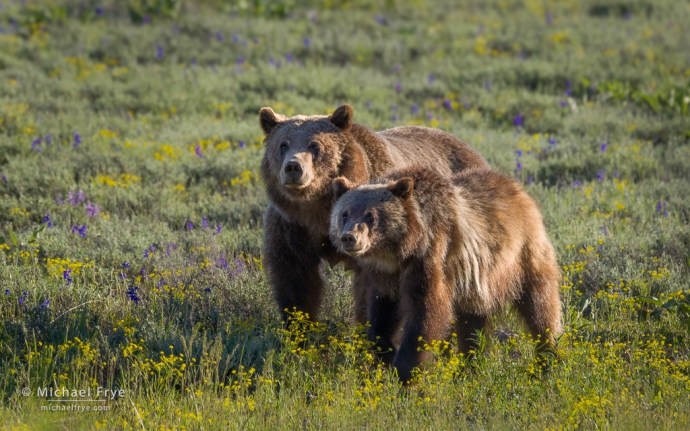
[283, 145]
[345, 216]
[369, 217]
[314, 146]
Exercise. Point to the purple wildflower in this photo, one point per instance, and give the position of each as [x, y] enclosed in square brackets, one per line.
[223, 262]
[45, 304]
[147, 19]
[552, 142]
[190, 225]
[126, 265]
[615, 175]
[170, 247]
[563, 104]
[198, 151]
[81, 230]
[487, 85]
[235, 39]
[7, 292]
[4, 178]
[240, 61]
[518, 167]
[92, 210]
[577, 183]
[241, 144]
[530, 180]
[394, 107]
[397, 87]
[23, 296]
[159, 52]
[368, 105]
[603, 147]
[132, 294]
[568, 87]
[518, 153]
[431, 78]
[146, 253]
[218, 230]
[46, 219]
[519, 120]
[600, 175]
[66, 276]
[307, 42]
[429, 116]
[219, 36]
[289, 58]
[448, 104]
[49, 139]
[549, 18]
[193, 62]
[35, 144]
[661, 206]
[204, 222]
[604, 230]
[380, 19]
[415, 109]
[77, 139]
[394, 118]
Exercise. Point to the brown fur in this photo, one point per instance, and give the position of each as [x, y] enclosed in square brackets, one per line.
[442, 249]
[318, 149]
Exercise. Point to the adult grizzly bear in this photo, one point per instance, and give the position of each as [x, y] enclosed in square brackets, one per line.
[304, 154]
[446, 249]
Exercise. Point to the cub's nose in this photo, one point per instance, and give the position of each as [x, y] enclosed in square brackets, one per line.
[348, 240]
[293, 171]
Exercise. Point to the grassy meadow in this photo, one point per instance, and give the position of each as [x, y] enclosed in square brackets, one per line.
[131, 208]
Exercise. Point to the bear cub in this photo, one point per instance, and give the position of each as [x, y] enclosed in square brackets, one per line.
[443, 250]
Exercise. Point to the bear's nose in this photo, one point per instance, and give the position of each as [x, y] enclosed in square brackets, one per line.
[348, 240]
[293, 168]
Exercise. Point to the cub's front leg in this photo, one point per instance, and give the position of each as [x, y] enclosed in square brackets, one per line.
[426, 309]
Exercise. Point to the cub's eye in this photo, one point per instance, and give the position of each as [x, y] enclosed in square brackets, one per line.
[369, 217]
[314, 147]
[345, 216]
[283, 145]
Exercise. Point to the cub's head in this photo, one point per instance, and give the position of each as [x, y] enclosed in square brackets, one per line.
[370, 220]
[303, 153]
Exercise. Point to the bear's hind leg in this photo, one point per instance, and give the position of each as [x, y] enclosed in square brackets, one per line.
[540, 307]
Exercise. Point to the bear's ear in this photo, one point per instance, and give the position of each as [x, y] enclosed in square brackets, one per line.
[269, 119]
[340, 186]
[342, 117]
[402, 188]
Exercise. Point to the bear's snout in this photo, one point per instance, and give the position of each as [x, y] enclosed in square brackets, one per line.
[295, 173]
[348, 240]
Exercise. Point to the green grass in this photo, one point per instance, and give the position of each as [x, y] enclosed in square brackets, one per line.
[188, 329]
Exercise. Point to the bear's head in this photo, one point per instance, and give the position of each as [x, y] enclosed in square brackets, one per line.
[372, 220]
[304, 153]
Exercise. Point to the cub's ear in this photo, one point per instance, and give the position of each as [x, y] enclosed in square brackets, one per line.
[340, 186]
[402, 188]
[342, 117]
[269, 119]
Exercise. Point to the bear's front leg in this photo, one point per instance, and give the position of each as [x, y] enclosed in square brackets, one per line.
[426, 308]
[384, 320]
[291, 258]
